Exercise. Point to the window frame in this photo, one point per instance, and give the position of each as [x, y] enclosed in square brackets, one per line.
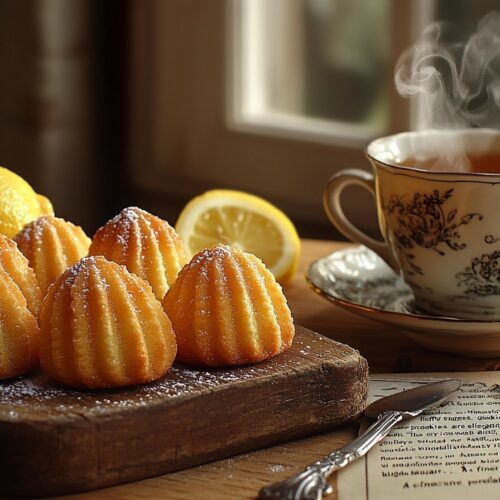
[245, 21]
[182, 136]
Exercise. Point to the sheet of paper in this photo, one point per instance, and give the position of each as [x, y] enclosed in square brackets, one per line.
[450, 453]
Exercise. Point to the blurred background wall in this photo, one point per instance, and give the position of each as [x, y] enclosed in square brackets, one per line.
[63, 102]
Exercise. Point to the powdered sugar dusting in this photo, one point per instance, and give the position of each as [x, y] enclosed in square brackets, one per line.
[83, 267]
[277, 468]
[38, 395]
[218, 252]
[119, 231]
[33, 232]
[205, 257]
[121, 225]
[132, 213]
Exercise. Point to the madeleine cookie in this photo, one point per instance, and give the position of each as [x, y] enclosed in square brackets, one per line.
[227, 309]
[14, 263]
[147, 245]
[19, 332]
[51, 245]
[102, 326]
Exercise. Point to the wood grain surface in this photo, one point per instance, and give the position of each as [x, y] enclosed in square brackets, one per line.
[66, 441]
[241, 476]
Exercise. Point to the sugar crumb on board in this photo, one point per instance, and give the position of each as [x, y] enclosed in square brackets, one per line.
[40, 393]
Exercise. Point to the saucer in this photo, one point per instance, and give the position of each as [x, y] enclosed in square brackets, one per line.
[358, 280]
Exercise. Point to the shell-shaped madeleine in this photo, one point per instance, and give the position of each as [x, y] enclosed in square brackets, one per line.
[19, 332]
[14, 263]
[227, 309]
[102, 326]
[147, 245]
[51, 245]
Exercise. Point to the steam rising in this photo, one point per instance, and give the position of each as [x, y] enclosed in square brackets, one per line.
[457, 84]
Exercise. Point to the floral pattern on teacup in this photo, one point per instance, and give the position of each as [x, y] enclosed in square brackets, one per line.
[423, 221]
[482, 277]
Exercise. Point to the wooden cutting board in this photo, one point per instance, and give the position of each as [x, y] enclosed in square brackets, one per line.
[57, 441]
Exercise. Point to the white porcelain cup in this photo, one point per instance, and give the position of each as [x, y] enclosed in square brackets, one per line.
[440, 230]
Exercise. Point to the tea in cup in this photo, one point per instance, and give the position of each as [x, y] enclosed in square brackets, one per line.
[440, 226]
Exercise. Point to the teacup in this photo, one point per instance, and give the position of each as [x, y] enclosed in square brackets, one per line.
[441, 230]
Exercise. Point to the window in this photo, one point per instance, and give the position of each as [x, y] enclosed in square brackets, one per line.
[272, 97]
[316, 69]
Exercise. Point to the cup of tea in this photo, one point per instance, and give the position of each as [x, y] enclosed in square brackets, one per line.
[437, 197]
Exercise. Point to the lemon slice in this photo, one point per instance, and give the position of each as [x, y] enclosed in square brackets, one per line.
[244, 221]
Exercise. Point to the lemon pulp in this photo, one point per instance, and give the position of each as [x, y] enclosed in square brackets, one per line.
[244, 221]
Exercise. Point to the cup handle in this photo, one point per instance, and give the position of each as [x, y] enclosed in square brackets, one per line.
[333, 208]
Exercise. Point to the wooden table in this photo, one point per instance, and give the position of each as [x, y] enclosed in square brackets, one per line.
[386, 349]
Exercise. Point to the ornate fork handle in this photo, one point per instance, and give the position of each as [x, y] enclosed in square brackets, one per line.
[311, 483]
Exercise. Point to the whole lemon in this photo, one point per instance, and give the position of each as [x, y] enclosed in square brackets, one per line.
[19, 204]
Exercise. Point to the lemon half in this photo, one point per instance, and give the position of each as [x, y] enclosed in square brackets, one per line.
[244, 221]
